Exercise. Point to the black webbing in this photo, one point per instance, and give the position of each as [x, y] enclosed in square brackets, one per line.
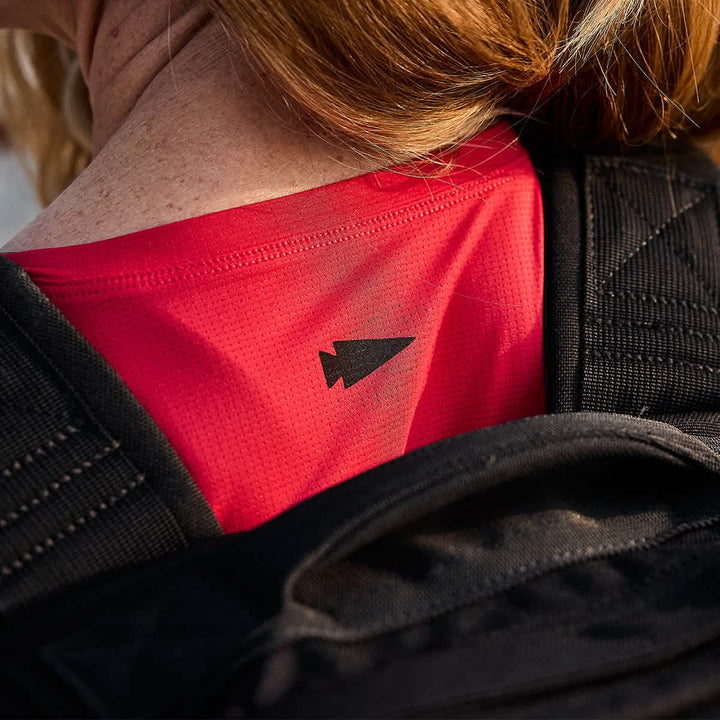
[87, 480]
[639, 331]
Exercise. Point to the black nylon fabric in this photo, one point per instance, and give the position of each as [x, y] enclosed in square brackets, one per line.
[564, 565]
[565, 230]
[639, 331]
[370, 599]
[87, 481]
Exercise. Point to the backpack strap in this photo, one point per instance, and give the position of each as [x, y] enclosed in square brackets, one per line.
[358, 601]
[633, 287]
[88, 481]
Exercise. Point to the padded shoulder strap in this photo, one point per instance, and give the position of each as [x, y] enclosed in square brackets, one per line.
[87, 480]
[633, 287]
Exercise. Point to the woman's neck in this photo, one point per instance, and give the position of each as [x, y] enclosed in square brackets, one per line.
[182, 127]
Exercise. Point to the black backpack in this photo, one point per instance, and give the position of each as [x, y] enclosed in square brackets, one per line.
[564, 565]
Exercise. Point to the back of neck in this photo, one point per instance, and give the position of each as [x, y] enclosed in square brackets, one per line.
[182, 127]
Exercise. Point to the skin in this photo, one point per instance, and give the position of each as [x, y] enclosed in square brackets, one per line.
[183, 125]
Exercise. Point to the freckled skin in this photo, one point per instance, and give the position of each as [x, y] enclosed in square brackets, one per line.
[173, 139]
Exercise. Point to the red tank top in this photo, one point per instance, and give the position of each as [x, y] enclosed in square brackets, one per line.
[288, 345]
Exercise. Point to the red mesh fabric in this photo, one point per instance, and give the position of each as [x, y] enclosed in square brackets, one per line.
[217, 323]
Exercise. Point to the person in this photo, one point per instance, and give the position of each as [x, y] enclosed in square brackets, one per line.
[252, 201]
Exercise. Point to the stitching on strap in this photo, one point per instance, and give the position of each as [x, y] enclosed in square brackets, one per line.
[478, 464]
[632, 166]
[59, 437]
[660, 300]
[518, 576]
[627, 593]
[44, 494]
[70, 529]
[657, 231]
[654, 360]
[656, 328]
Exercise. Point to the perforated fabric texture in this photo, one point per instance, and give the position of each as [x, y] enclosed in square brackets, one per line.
[225, 326]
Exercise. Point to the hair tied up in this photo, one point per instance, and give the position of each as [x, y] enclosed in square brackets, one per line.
[402, 78]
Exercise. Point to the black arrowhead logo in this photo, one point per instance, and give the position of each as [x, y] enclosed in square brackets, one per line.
[354, 360]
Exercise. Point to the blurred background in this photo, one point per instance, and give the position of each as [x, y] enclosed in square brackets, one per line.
[18, 205]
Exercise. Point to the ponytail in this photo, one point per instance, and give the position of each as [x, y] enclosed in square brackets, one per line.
[399, 79]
